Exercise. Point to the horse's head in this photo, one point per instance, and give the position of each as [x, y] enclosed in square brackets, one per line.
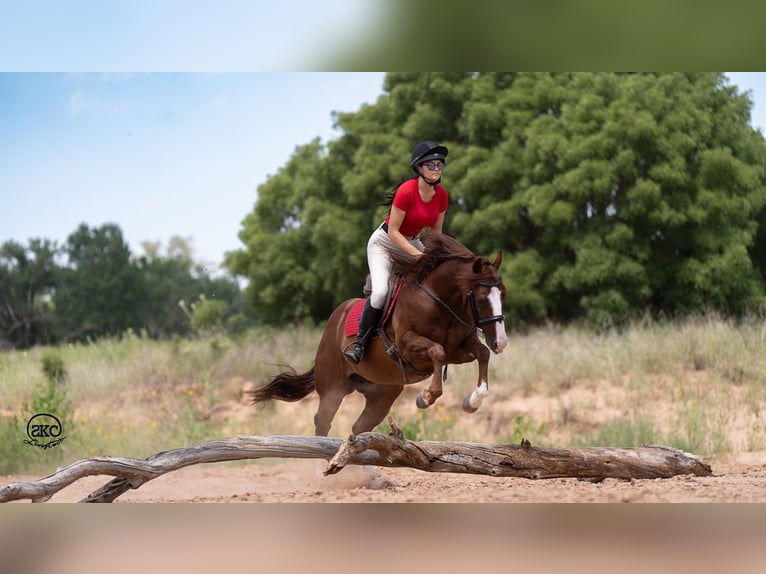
[485, 297]
[470, 276]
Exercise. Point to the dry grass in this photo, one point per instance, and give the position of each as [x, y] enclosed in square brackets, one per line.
[696, 385]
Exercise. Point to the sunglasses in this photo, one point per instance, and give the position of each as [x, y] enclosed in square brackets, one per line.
[434, 165]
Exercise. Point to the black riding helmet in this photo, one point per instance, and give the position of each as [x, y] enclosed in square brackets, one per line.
[427, 151]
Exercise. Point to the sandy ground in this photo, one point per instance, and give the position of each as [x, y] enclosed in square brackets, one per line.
[288, 537]
[732, 481]
[737, 478]
[287, 532]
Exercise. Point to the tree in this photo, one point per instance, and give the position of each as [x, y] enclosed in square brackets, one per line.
[611, 194]
[300, 242]
[208, 314]
[305, 238]
[621, 193]
[100, 292]
[27, 279]
[170, 277]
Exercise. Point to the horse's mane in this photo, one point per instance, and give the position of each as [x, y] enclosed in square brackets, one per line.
[439, 248]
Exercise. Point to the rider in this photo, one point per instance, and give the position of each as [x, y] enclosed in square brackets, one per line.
[417, 203]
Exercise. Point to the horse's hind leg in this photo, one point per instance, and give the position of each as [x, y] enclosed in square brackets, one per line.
[329, 403]
[378, 402]
[433, 391]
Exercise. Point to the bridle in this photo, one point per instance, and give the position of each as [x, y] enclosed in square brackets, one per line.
[393, 352]
[478, 321]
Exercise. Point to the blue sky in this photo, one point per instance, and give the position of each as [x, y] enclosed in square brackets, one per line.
[157, 154]
[168, 154]
[179, 35]
[755, 83]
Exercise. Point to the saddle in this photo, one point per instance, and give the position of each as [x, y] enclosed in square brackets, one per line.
[351, 326]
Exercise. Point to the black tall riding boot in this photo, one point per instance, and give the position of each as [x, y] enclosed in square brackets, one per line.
[368, 322]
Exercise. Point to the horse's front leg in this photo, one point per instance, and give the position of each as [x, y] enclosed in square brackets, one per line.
[474, 400]
[418, 349]
[433, 391]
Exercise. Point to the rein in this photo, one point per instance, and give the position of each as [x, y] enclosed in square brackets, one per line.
[393, 352]
[478, 322]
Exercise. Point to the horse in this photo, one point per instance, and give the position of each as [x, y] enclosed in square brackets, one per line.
[444, 299]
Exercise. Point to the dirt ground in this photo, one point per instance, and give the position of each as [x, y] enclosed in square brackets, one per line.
[737, 478]
[290, 537]
[291, 534]
[732, 481]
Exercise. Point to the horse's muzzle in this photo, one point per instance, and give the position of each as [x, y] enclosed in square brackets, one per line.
[498, 343]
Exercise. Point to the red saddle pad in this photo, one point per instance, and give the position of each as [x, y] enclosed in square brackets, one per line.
[351, 327]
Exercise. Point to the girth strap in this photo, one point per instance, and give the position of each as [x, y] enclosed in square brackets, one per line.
[393, 352]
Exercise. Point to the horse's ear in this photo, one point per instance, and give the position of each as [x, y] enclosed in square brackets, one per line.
[498, 260]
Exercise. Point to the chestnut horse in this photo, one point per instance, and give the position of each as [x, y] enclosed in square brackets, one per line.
[446, 297]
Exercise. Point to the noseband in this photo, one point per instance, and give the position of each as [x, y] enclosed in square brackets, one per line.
[478, 322]
[472, 299]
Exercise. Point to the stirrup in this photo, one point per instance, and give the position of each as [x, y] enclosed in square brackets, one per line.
[354, 353]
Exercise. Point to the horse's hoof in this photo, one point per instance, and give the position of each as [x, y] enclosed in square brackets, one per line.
[467, 406]
[421, 402]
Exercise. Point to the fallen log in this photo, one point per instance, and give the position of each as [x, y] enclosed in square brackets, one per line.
[132, 473]
[521, 461]
[393, 450]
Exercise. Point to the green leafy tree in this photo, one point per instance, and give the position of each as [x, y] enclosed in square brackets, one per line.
[208, 314]
[27, 279]
[100, 292]
[624, 192]
[300, 242]
[305, 238]
[170, 276]
[94, 287]
[611, 194]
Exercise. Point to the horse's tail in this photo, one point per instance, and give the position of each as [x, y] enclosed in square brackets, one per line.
[288, 386]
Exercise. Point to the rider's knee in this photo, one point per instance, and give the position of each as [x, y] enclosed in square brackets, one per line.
[378, 299]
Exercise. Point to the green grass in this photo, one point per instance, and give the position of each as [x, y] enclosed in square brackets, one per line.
[697, 385]
[623, 433]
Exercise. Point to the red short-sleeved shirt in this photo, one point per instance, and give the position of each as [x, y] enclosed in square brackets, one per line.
[417, 213]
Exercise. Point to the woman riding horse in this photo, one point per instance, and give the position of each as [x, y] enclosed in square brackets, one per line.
[446, 299]
[417, 203]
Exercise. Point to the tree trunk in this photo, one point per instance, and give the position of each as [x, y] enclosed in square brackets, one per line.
[521, 461]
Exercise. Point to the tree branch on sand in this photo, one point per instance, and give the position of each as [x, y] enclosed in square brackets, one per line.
[393, 450]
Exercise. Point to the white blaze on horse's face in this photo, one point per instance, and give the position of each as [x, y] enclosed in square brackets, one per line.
[501, 337]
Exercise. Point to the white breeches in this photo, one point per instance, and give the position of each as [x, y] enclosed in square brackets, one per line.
[380, 264]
